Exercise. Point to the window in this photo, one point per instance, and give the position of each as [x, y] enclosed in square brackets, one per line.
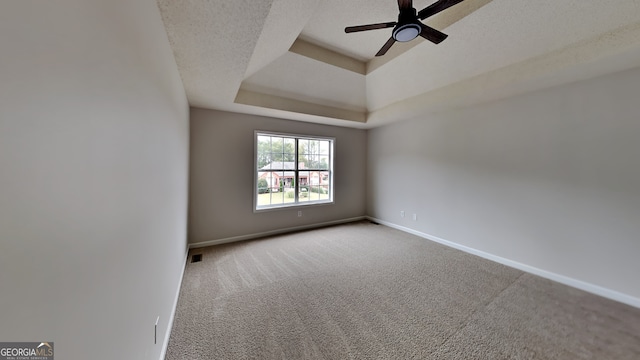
[292, 170]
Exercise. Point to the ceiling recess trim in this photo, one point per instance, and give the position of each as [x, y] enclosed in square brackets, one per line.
[253, 98]
[313, 51]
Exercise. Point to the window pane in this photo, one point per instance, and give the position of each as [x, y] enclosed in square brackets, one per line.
[303, 186]
[325, 184]
[325, 191]
[263, 184]
[324, 148]
[309, 161]
[263, 151]
[288, 180]
[314, 178]
[303, 162]
[263, 139]
[263, 194]
[324, 177]
[276, 144]
[289, 196]
[303, 178]
[277, 161]
[314, 146]
[290, 148]
[323, 163]
[303, 145]
[276, 188]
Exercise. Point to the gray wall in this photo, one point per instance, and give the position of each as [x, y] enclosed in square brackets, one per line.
[549, 179]
[93, 176]
[221, 176]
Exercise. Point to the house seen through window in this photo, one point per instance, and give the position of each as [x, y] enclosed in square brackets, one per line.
[292, 170]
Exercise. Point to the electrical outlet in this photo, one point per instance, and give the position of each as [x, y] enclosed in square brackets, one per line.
[401, 213]
[300, 213]
[415, 217]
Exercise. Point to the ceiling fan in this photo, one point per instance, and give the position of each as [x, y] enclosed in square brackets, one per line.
[408, 26]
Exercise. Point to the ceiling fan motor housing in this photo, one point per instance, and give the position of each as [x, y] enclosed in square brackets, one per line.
[408, 27]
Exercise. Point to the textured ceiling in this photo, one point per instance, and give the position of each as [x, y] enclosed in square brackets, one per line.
[291, 58]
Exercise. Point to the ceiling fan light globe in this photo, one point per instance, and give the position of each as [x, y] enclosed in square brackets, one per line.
[406, 32]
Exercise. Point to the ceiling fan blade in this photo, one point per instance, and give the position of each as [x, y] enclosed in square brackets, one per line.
[436, 7]
[351, 29]
[386, 46]
[432, 34]
[405, 4]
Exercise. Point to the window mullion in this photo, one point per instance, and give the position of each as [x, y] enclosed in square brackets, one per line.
[296, 177]
[331, 171]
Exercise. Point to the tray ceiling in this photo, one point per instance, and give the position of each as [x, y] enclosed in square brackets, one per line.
[291, 58]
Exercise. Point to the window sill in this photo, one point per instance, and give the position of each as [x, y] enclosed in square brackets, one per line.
[291, 207]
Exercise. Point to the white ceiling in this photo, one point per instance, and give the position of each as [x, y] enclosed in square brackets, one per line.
[292, 59]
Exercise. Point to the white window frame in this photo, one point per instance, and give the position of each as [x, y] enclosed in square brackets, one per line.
[296, 203]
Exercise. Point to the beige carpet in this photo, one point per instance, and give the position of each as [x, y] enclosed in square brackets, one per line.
[365, 291]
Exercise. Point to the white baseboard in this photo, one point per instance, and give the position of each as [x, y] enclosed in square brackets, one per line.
[273, 232]
[578, 284]
[165, 342]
